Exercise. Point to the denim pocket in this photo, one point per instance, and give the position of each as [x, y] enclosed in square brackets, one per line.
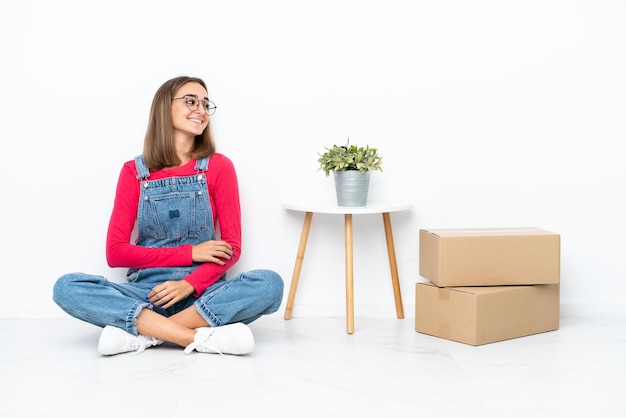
[174, 216]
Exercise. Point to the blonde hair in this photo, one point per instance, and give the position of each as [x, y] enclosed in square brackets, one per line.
[158, 146]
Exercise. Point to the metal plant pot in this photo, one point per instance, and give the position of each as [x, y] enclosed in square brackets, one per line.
[352, 187]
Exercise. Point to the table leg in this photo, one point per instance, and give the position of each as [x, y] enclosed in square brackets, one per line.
[349, 276]
[393, 265]
[306, 227]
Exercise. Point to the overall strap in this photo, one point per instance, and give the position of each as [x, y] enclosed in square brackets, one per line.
[142, 171]
[202, 164]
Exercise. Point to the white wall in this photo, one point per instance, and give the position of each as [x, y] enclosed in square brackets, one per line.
[487, 114]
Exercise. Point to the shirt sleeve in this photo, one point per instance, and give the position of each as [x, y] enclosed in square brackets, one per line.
[120, 250]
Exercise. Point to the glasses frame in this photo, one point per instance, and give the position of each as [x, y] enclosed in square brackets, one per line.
[211, 105]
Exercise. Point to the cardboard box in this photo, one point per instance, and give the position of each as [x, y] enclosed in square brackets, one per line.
[489, 256]
[481, 315]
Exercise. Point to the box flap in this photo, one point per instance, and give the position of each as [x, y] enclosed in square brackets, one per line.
[472, 290]
[462, 232]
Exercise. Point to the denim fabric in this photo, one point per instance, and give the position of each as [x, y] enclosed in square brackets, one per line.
[175, 210]
[171, 212]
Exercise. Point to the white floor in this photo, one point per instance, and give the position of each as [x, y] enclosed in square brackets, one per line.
[309, 367]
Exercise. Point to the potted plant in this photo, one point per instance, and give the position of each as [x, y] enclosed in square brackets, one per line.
[351, 166]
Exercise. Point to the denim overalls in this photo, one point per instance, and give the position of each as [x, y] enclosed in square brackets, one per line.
[172, 212]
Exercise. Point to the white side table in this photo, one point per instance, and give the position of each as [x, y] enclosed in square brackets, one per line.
[384, 208]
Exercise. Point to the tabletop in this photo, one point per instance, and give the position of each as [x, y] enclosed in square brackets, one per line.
[325, 207]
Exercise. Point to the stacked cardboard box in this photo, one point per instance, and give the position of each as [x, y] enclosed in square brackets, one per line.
[489, 284]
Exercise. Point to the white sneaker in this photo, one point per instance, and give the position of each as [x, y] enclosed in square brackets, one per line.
[115, 340]
[228, 339]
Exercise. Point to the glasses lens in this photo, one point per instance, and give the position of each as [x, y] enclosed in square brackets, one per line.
[210, 108]
[192, 103]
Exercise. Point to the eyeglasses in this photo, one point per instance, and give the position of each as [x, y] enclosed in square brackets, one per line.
[193, 103]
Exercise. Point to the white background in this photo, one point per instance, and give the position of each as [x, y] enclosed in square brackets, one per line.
[486, 113]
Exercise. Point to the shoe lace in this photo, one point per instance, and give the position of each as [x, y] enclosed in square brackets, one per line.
[142, 342]
[204, 340]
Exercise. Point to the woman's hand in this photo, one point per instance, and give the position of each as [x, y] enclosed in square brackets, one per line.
[168, 293]
[212, 252]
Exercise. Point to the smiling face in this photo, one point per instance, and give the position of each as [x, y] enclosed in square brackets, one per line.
[189, 123]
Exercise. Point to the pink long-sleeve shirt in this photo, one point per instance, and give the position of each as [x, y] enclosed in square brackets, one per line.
[224, 199]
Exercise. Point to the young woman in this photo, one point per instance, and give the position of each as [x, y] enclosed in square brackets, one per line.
[183, 199]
